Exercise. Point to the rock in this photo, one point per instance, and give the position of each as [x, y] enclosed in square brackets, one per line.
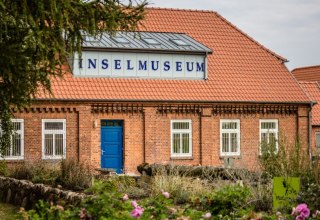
[8, 198]
[24, 202]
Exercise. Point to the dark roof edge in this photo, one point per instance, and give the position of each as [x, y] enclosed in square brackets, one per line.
[144, 50]
[171, 101]
[305, 67]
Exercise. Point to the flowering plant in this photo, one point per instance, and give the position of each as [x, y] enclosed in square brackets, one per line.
[301, 212]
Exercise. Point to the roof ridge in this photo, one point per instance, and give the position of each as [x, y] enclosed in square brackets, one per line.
[306, 67]
[181, 9]
[253, 40]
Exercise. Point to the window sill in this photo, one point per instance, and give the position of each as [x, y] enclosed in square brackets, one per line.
[53, 158]
[181, 157]
[13, 158]
[230, 156]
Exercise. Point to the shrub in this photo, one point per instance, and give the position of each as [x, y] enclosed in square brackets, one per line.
[232, 201]
[38, 172]
[74, 175]
[310, 194]
[3, 168]
[261, 196]
[287, 161]
[181, 187]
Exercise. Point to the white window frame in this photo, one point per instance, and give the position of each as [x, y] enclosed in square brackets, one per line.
[21, 132]
[64, 132]
[317, 147]
[181, 131]
[230, 131]
[276, 131]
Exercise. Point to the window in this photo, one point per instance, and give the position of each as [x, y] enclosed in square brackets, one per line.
[318, 142]
[269, 133]
[181, 138]
[92, 39]
[229, 137]
[120, 40]
[179, 42]
[53, 138]
[16, 150]
[150, 41]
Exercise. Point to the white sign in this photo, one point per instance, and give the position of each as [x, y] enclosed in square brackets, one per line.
[148, 65]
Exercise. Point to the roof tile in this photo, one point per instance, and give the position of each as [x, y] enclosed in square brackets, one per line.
[240, 69]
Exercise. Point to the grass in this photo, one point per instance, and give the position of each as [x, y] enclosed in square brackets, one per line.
[9, 212]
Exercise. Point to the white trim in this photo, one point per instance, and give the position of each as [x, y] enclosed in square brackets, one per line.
[275, 131]
[21, 132]
[180, 131]
[63, 131]
[237, 131]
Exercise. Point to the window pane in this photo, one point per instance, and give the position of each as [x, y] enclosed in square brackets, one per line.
[59, 144]
[16, 126]
[264, 138]
[53, 126]
[6, 152]
[272, 139]
[268, 125]
[318, 140]
[185, 143]
[229, 125]
[234, 142]
[176, 143]
[180, 125]
[225, 142]
[16, 145]
[48, 144]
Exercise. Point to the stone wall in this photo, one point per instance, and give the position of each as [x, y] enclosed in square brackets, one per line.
[26, 194]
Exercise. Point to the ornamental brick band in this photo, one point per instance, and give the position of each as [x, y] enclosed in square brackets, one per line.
[26, 194]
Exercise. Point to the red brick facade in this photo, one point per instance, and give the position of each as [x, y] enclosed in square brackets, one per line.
[245, 81]
[146, 134]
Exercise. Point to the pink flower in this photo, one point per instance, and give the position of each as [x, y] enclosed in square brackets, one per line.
[125, 197]
[137, 212]
[165, 194]
[134, 203]
[82, 214]
[301, 212]
[207, 215]
[60, 207]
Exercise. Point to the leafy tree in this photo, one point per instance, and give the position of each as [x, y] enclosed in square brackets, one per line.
[36, 37]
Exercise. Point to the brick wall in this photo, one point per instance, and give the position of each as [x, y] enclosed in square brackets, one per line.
[147, 133]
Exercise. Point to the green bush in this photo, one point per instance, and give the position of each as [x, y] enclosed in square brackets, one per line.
[74, 175]
[3, 168]
[230, 201]
[37, 172]
[288, 160]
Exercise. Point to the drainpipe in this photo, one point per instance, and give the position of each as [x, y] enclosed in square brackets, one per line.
[144, 135]
[200, 125]
[309, 131]
[78, 149]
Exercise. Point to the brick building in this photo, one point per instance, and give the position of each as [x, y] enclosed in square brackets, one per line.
[238, 94]
[309, 79]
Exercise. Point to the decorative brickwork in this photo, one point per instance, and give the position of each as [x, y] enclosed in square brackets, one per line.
[146, 132]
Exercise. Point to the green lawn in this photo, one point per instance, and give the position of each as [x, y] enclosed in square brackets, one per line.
[9, 212]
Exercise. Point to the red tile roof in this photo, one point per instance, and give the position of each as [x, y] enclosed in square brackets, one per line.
[240, 69]
[312, 89]
[308, 73]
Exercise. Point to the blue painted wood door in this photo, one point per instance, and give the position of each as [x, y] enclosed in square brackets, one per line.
[112, 145]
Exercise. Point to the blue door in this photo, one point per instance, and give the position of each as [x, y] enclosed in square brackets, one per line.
[112, 145]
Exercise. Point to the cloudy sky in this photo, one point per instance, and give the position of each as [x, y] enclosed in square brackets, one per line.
[291, 28]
